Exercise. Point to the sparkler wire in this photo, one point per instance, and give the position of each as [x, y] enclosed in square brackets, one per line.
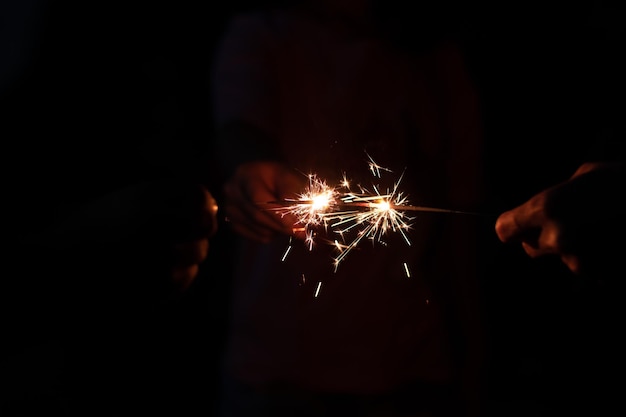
[363, 215]
[398, 207]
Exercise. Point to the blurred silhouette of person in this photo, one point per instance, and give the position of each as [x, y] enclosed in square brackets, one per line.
[107, 221]
[316, 87]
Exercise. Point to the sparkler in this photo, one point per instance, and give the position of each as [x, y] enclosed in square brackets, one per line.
[364, 215]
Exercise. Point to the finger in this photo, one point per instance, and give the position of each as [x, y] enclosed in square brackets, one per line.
[240, 209]
[514, 225]
[522, 222]
[200, 213]
[585, 168]
[245, 225]
[572, 262]
[288, 221]
[211, 210]
[189, 253]
[546, 243]
[506, 226]
[184, 276]
[256, 208]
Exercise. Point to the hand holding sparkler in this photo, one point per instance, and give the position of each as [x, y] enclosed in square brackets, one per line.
[261, 181]
[575, 220]
[158, 229]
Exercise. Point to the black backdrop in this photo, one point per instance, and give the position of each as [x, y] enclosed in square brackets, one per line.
[96, 96]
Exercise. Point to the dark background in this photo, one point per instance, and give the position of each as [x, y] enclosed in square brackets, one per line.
[97, 96]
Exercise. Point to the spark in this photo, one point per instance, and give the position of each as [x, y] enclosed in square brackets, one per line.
[310, 234]
[311, 205]
[406, 269]
[317, 290]
[345, 183]
[354, 217]
[286, 250]
[375, 168]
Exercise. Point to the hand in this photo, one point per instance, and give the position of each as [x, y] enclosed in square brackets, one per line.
[157, 231]
[194, 222]
[248, 193]
[575, 220]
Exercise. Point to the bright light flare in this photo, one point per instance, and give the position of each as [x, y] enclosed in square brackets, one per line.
[352, 216]
[378, 215]
[382, 206]
[311, 206]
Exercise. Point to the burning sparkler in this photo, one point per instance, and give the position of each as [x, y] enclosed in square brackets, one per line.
[365, 215]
